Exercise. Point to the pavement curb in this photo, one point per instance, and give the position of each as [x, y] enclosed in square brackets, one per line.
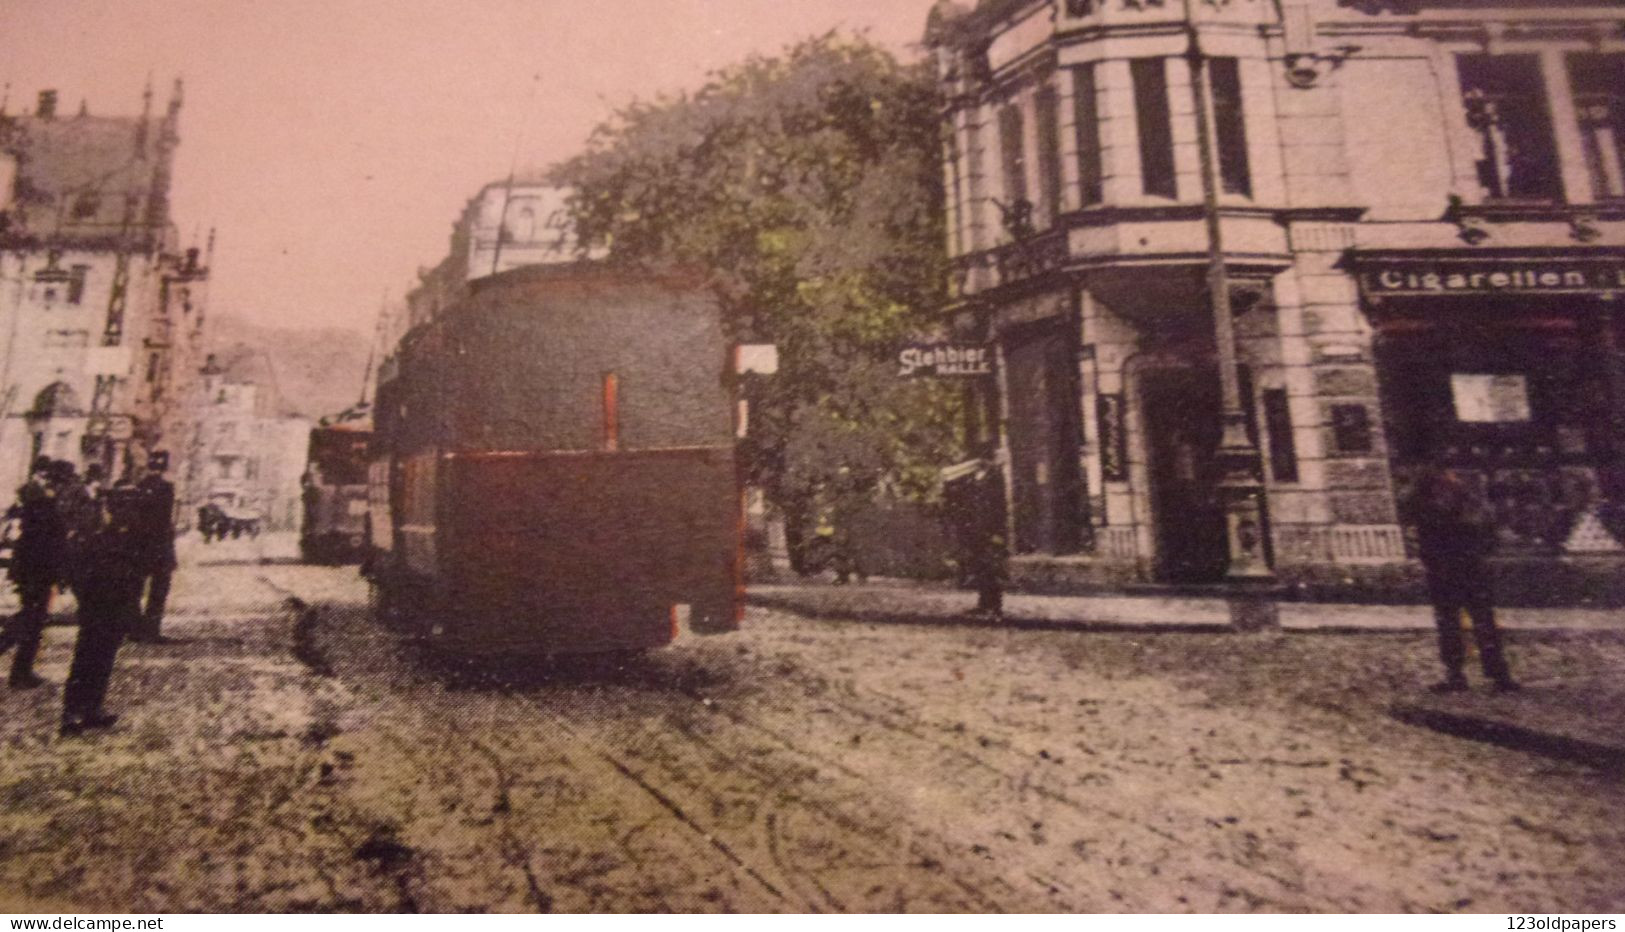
[1605, 757]
[1008, 623]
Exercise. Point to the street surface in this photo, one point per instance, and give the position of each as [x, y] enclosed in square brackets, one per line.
[289, 759]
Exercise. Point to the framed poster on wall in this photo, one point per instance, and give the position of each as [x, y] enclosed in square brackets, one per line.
[1490, 399]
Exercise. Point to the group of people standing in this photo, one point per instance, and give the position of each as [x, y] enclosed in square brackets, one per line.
[107, 543]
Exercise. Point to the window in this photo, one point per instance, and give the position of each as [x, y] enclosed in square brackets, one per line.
[1351, 428]
[1230, 127]
[1015, 159]
[1599, 101]
[76, 283]
[1283, 446]
[612, 412]
[1156, 126]
[87, 205]
[1506, 105]
[1049, 151]
[1086, 115]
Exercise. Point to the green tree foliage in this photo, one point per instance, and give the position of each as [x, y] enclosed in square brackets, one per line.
[809, 184]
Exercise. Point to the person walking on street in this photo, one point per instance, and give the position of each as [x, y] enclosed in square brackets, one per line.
[1455, 536]
[156, 544]
[36, 569]
[980, 515]
[105, 570]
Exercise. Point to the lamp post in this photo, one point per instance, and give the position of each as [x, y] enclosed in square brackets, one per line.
[1240, 482]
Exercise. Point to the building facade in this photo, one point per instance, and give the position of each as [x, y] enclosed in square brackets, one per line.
[247, 456]
[1392, 230]
[506, 225]
[103, 312]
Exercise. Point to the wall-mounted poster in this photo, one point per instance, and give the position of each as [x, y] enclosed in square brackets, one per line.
[1490, 399]
[1113, 442]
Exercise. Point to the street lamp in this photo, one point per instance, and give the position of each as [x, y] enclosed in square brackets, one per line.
[1240, 484]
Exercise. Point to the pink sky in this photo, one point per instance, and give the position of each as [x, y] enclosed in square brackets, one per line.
[332, 143]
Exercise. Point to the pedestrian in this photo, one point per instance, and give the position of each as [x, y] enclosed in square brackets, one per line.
[36, 569]
[981, 524]
[105, 570]
[1455, 535]
[157, 547]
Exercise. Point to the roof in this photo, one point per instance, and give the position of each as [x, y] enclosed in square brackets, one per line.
[83, 177]
[951, 23]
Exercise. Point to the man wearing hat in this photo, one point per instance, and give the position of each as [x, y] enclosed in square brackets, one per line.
[155, 546]
[36, 568]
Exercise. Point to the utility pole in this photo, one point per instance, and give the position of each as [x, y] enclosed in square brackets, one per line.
[1240, 484]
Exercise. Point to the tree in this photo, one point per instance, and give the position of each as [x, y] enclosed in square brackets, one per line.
[809, 184]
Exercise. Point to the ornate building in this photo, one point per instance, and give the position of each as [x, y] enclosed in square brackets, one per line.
[1250, 265]
[103, 313]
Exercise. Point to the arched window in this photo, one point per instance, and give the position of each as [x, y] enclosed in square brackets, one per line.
[57, 399]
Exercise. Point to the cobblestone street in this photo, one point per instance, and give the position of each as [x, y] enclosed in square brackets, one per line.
[286, 759]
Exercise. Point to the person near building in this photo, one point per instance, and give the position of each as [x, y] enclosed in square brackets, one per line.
[1455, 535]
[105, 569]
[36, 568]
[157, 547]
[980, 518]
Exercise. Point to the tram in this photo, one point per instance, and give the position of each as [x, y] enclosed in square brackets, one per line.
[334, 523]
[553, 469]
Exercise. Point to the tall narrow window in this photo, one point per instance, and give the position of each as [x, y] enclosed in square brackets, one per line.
[1086, 116]
[612, 412]
[1599, 102]
[1156, 126]
[1505, 99]
[1015, 158]
[1229, 125]
[76, 283]
[1048, 104]
[1283, 446]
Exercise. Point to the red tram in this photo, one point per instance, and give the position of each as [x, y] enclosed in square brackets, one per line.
[553, 466]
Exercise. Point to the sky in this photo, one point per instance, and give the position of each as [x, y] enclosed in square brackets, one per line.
[332, 143]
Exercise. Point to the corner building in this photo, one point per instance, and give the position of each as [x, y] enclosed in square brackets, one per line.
[1420, 211]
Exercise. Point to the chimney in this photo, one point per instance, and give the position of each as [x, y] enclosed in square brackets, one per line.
[47, 105]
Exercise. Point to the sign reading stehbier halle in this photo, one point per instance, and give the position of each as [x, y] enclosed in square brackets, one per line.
[1537, 276]
[945, 360]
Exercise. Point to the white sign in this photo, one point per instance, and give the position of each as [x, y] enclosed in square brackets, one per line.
[945, 359]
[760, 358]
[1490, 399]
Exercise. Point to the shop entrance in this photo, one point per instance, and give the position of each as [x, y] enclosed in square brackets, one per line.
[1047, 485]
[1183, 423]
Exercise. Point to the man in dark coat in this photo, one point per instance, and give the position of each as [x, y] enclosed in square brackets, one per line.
[156, 546]
[1455, 535]
[36, 568]
[106, 572]
[979, 511]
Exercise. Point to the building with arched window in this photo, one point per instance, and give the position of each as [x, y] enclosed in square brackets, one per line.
[102, 314]
[1249, 266]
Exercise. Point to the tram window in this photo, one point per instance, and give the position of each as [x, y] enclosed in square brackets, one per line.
[612, 418]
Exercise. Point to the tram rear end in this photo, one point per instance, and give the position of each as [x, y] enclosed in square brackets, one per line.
[559, 468]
